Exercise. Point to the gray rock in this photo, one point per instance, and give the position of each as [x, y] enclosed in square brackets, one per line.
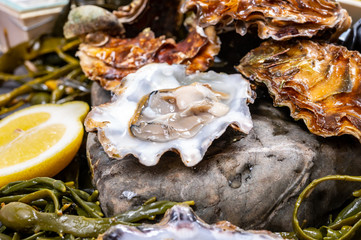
[251, 181]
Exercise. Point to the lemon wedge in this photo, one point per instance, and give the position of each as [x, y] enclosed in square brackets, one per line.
[40, 140]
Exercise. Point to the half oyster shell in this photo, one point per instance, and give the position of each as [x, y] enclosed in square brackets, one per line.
[181, 223]
[319, 82]
[279, 20]
[160, 108]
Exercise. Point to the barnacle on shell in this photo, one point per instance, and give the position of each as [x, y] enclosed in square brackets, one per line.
[110, 62]
[277, 19]
[181, 223]
[319, 82]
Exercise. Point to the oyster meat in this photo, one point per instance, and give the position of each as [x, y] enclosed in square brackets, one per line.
[160, 108]
[278, 19]
[180, 222]
[319, 82]
[111, 60]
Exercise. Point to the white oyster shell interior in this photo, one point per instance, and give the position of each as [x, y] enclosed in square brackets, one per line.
[113, 120]
[181, 223]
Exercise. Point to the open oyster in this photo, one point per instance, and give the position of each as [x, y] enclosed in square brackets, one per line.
[319, 82]
[279, 20]
[160, 108]
[181, 223]
[112, 60]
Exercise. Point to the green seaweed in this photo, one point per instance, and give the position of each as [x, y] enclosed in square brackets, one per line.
[58, 216]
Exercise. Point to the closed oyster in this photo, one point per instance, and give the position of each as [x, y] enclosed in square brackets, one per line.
[279, 20]
[181, 223]
[111, 61]
[162, 16]
[160, 108]
[319, 82]
[88, 18]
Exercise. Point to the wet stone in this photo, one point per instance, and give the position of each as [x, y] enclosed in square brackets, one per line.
[252, 181]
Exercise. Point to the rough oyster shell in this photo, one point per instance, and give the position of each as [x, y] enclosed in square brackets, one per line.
[180, 222]
[279, 20]
[162, 16]
[114, 120]
[130, 12]
[319, 82]
[110, 62]
[88, 18]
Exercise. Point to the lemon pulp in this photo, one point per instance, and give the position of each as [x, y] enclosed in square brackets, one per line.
[40, 140]
[16, 127]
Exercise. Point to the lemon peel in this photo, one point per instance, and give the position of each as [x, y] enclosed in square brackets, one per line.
[40, 140]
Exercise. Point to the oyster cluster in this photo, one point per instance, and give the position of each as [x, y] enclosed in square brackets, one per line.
[181, 223]
[162, 100]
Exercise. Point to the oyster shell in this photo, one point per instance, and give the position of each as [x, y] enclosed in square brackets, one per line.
[279, 20]
[319, 82]
[88, 18]
[180, 222]
[160, 108]
[162, 16]
[110, 62]
[130, 12]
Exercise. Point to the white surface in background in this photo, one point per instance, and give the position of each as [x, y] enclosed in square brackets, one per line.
[27, 5]
[353, 7]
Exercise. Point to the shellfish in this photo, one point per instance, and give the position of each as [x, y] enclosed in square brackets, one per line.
[160, 108]
[279, 20]
[162, 16]
[88, 18]
[180, 222]
[319, 82]
[130, 12]
[109, 62]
